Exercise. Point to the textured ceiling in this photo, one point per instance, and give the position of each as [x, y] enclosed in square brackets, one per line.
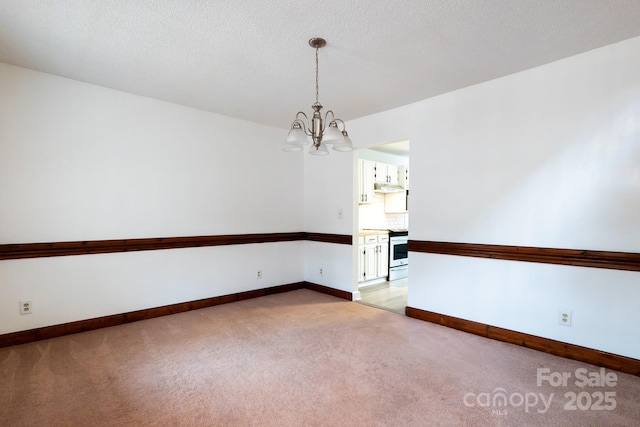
[250, 59]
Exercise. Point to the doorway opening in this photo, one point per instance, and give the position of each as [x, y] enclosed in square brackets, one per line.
[383, 226]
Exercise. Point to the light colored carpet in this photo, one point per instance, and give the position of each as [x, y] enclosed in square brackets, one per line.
[295, 359]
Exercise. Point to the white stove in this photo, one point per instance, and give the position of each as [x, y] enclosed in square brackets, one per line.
[398, 255]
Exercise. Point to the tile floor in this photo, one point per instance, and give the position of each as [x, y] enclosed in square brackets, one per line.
[391, 296]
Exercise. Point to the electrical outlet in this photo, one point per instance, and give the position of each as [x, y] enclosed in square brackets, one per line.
[25, 307]
[564, 317]
[321, 271]
[340, 213]
[259, 275]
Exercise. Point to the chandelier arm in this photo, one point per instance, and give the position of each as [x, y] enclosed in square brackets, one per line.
[326, 116]
[301, 112]
[344, 127]
[303, 124]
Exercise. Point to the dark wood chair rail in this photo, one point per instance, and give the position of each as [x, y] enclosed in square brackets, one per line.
[576, 257]
[38, 250]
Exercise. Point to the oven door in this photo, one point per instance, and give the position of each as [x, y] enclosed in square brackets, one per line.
[398, 251]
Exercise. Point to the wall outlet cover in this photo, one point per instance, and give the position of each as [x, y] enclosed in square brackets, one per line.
[25, 307]
[564, 317]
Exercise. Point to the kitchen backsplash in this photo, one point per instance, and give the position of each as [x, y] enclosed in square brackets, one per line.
[372, 215]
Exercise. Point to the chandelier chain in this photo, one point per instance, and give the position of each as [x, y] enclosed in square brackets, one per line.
[317, 90]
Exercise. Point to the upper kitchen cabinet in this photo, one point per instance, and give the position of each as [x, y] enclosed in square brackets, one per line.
[386, 174]
[366, 172]
[403, 176]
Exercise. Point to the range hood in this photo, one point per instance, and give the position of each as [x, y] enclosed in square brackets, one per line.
[387, 188]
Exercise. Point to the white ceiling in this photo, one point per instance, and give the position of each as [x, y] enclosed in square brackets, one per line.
[400, 148]
[250, 59]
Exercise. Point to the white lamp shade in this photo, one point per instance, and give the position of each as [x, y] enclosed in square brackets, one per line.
[297, 137]
[332, 134]
[320, 150]
[345, 145]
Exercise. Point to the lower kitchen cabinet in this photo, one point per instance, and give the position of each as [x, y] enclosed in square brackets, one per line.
[382, 262]
[373, 257]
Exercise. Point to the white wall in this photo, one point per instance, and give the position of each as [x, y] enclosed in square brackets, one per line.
[329, 186]
[81, 162]
[548, 157]
[65, 289]
[336, 262]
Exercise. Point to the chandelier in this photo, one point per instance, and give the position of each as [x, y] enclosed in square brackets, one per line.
[302, 132]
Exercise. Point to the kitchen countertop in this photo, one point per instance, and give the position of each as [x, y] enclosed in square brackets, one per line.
[368, 232]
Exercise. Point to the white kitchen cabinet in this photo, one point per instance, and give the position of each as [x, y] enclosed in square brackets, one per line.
[382, 259]
[370, 261]
[386, 174]
[365, 181]
[392, 173]
[361, 262]
[373, 257]
[403, 177]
